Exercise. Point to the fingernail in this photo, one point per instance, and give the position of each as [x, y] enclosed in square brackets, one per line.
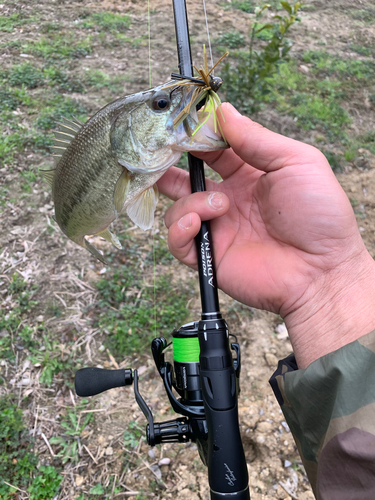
[185, 222]
[215, 200]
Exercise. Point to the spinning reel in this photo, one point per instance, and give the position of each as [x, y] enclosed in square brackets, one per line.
[183, 377]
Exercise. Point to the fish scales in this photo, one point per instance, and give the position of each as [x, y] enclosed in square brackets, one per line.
[111, 163]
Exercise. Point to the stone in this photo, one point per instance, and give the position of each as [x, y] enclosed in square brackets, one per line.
[271, 360]
[79, 480]
[164, 461]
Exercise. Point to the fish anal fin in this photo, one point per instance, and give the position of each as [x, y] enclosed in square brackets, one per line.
[121, 192]
[48, 175]
[94, 252]
[141, 209]
[112, 238]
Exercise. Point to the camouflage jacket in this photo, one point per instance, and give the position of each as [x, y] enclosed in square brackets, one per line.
[330, 409]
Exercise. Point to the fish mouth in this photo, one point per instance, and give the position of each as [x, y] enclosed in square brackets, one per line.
[191, 136]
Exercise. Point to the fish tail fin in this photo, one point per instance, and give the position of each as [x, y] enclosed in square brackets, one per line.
[94, 251]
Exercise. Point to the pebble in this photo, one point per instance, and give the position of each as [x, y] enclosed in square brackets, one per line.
[271, 359]
[281, 332]
[164, 461]
[264, 427]
[155, 469]
[79, 480]
[109, 451]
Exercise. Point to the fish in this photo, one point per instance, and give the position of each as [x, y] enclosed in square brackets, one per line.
[110, 164]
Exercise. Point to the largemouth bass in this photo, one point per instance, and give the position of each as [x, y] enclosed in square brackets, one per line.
[111, 163]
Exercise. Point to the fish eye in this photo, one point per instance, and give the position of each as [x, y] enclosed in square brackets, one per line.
[161, 101]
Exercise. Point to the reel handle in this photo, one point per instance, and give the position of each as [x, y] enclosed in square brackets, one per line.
[91, 381]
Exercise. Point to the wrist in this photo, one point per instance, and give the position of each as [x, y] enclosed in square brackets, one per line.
[338, 309]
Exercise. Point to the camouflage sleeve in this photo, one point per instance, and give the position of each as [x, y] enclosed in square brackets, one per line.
[330, 409]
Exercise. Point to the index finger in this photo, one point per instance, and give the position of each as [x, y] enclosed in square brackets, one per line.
[175, 184]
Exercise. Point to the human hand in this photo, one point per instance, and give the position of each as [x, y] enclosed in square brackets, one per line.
[284, 234]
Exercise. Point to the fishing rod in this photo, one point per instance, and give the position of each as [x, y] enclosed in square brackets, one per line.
[204, 374]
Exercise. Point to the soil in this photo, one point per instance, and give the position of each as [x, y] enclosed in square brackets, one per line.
[64, 271]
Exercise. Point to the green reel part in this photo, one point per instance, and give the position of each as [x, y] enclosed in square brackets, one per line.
[186, 349]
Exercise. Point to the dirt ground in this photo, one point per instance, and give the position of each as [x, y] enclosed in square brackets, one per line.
[62, 270]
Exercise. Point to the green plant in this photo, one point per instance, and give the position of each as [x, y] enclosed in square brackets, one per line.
[128, 313]
[46, 484]
[132, 435]
[232, 39]
[54, 358]
[8, 23]
[73, 424]
[246, 84]
[97, 489]
[25, 74]
[18, 464]
[244, 5]
[107, 21]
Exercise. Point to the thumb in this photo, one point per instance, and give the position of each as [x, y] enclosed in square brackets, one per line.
[260, 147]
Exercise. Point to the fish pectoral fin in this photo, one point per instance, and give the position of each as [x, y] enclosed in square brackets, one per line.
[112, 238]
[121, 192]
[141, 209]
[94, 252]
[48, 175]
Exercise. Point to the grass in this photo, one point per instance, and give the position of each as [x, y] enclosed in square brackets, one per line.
[73, 426]
[59, 46]
[107, 21]
[316, 100]
[363, 15]
[18, 463]
[8, 23]
[315, 103]
[22, 334]
[244, 5]
[231, 40]
[44, 107]
[127, 312]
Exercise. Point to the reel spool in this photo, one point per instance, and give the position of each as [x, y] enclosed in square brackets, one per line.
[186, 364]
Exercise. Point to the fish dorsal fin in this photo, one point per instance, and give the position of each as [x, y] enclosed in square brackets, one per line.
[68, 127]
[67, 131]
[112, 238]
[48, 175]
[74, 124]
[121, 192]
[77, 121]
[141, 209]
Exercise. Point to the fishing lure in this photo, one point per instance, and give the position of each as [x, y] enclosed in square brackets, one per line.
[206, 87]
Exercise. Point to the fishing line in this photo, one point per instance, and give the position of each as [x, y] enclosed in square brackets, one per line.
[208, 32]
[153, 226]
[149, 43]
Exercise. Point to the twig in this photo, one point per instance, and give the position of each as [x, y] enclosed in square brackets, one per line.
[15, 487]
[48, 445]
[89, 452]
[113, 361]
